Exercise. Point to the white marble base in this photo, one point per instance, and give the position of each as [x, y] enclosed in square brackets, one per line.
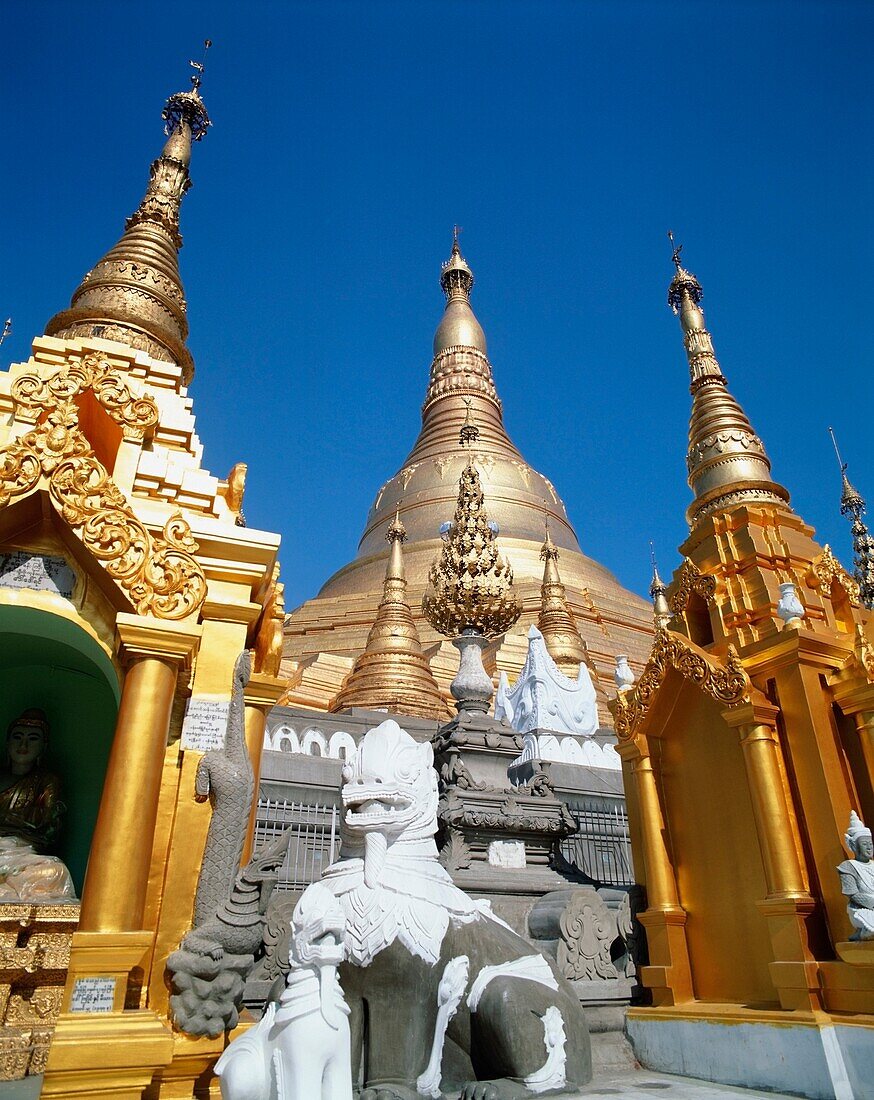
[824, 1063]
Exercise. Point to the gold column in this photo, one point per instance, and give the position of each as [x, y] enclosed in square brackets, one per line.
[854, 694]
[118, 866]
[669, 975]
[262, 693]
[788, 906]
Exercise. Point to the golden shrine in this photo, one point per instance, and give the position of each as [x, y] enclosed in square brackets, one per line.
[746, 742]
[130, 585]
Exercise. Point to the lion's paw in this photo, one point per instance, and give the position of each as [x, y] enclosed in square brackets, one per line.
[494, 1090]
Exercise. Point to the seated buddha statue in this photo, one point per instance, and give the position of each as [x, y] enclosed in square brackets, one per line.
[30, 817]
[857, 878]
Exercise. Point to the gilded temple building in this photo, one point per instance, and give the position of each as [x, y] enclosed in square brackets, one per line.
[128, 588]
[747, 742]
[325, 636]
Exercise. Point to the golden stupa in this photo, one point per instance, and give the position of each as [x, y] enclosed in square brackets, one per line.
[325, 635]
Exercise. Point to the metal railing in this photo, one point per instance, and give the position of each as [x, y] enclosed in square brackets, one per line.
[314, 843]
[601, 847]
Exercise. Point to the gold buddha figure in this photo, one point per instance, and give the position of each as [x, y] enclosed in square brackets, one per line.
[30, 817]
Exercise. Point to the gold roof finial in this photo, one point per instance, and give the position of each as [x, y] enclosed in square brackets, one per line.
[134, 293]
[393, 673]
[471, 582]
[658, 592]
[727, 462]
[7, 329]
[458, 328]
[853, 505]
[469, 431]
[556, 620]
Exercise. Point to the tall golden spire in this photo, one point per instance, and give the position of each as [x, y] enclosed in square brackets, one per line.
[556, 621]
[134, 293]
[471, 582]
[393, 673]
[727, 461]
[853, 505]
[661, 609]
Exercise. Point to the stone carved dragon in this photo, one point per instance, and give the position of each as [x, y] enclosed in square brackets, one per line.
[225, 777]
[424, 960]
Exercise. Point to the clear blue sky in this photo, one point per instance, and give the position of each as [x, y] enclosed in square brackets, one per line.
[565, 139]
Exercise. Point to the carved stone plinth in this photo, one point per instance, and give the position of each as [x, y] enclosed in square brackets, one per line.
[498, 838]
[35, 945]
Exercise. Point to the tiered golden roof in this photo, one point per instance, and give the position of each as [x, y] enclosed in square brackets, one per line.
[134, 295]
[392, 673]
[471, 582]
[727, 462]
[556, 621]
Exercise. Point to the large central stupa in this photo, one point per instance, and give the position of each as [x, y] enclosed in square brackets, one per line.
[326, 634]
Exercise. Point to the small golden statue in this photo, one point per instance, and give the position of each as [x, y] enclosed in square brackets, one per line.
[30, 817]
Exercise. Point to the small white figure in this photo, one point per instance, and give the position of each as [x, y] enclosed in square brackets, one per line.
[857, 878]
[300, 1048]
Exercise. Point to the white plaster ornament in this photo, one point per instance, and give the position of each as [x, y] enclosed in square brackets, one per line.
[789, 607]
[544, 698]
[623, 674]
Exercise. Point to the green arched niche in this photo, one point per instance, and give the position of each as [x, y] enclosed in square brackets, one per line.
[48, 661]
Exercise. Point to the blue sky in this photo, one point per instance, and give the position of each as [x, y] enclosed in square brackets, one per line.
[566, 138]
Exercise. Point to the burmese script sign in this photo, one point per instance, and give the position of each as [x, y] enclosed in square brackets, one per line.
[206, 720]
[39, 572]
[93, 995]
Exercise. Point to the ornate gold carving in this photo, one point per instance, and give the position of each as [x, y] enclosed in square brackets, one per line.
[159, 574]
[35, 394]
[825, 570]
[235, 490]
[471, 582]
[727, 684]
[690, 580]
[268, 640]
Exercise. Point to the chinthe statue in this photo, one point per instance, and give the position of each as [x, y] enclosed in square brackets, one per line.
[30, 817]
[857, 878]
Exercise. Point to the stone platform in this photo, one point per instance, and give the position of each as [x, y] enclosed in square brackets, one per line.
[643, 1083]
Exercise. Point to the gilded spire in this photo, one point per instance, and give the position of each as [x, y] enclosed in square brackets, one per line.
[471, 583]
[393, 673]
[853, 504]
[658, 592]
[727, 462]
[556, 621]
[134, 293]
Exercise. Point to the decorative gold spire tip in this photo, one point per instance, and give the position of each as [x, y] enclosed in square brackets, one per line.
[188, 106]
[469, 431]
[396, 529]
[456, 276]
[683, 282]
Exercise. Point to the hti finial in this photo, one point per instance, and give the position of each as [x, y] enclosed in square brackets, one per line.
[199, 66]
[841, 463]
[678, 248]
[456, 229]
[469, 431]
[7, 328]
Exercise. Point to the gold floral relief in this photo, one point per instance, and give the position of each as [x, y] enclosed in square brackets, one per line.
[35, 394]
[690, 580]
[159, 574]
[728, 684]
[825, 570]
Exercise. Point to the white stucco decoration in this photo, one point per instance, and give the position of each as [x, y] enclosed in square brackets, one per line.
[533, 967]
[300, 1049]
[449, 994]
[586, 752]
[388, 879]
[544, 698]
[552, 1074]
[509, 854]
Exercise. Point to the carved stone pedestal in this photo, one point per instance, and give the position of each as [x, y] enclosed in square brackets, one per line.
[497, 837]
[34, 956]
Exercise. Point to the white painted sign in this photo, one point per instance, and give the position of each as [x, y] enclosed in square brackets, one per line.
[93, 995]
[39, 572]
[205, 724]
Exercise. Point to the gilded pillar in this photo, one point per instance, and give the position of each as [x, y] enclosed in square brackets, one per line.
[118, 867]
[262, 693]
[788, 905]
[854, 694]
[669, 975]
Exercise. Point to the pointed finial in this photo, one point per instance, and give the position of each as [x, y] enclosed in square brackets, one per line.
[456, 248]
[7, 328]
[199, 67]
[396, 531]
[548, 549]
[675, 255]
[658, 592]
[851, 499]
[853, 505]
[469, 431]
